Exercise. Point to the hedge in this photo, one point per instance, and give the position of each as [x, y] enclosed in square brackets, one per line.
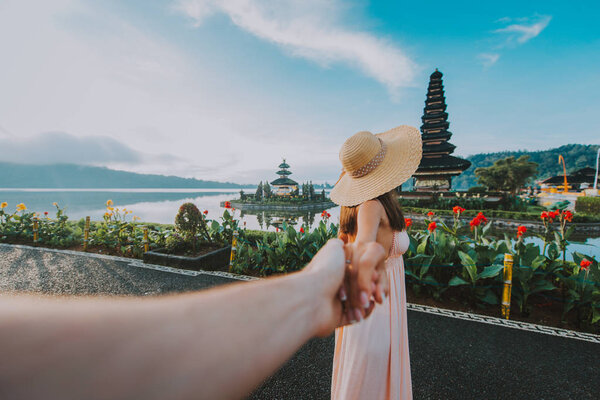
[590, 205]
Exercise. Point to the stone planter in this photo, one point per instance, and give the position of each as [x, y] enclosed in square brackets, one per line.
[217, 260]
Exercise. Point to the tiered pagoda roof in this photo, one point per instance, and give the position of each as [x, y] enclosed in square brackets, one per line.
[283, 179]
[437, 161]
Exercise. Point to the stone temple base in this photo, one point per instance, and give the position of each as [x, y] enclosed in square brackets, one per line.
[432, 184]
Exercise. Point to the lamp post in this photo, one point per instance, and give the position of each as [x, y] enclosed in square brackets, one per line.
[596, 177]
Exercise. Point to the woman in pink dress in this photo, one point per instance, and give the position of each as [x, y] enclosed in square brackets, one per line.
[371, 359]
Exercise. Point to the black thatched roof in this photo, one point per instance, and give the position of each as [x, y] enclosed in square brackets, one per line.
[443, 147]
[284, 182]
[584, 175]
[442, 163]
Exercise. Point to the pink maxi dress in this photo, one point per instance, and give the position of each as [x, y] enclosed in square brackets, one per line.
[371, 359]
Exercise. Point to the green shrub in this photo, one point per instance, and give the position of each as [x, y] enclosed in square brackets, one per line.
[477, 189]
[590, 205]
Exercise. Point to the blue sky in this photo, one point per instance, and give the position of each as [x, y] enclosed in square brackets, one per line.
[224, 89]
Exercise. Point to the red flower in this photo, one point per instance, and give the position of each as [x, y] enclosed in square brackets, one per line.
[568, 216]
[227, 204]
[205, 212]
[325, 214]
[585, 264]
[432, 226]
[457, 210]
[521, 230]
[553, 214]
[407, 222]
[544, 215]
[45, 212]
[482, 217]
[301, 229]
[277, 229]
[430, 214]
[232, 209]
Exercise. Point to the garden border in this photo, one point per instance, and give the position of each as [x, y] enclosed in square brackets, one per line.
[525, 326]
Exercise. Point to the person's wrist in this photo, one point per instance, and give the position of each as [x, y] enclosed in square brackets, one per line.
[317, 299]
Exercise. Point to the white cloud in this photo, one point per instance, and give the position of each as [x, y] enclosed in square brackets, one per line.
[77, 68]
[311, 29]
[524, 31]
[488, 59]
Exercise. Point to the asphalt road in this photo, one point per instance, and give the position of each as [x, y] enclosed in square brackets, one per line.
[450, 358]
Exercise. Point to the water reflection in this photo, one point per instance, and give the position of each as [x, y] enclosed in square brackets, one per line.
[267, 219]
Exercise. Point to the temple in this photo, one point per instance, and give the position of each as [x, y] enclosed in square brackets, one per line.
[437, 165]
[284, 186]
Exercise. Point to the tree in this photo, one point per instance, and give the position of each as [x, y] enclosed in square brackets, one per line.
[507, 174]
[242, 195]
[267, 190]
[259, 191]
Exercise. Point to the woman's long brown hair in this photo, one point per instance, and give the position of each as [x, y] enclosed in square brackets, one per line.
[391, 205]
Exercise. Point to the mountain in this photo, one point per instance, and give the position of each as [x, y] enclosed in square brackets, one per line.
[71, 176]
[576, 156]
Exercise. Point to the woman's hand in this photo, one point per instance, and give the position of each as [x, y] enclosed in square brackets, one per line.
[366, 278]
[328, 275]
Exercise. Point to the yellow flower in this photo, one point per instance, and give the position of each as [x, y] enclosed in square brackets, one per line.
[21, 207]
[109, 203]
[55, 204]
[110, 208]
[3, 205]
[136, 218]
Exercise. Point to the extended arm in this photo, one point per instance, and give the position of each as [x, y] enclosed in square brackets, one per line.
[217, 344]
[363, 274]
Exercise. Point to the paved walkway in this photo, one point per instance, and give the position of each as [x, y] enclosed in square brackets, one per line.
[453, 356]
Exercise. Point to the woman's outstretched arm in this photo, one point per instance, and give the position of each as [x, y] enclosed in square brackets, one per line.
[362, 274]
[217, 344]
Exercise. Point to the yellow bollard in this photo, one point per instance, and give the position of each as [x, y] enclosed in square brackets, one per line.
[86, 233]
[146, 242]
[506, 293]
[233, 249]
[35, 230]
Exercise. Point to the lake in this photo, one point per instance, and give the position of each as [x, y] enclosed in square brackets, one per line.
[161, 205]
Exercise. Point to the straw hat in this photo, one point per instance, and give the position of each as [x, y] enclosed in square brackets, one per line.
[375, 164]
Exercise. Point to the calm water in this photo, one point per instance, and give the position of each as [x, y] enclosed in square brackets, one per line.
[161, 205]
[151, 205]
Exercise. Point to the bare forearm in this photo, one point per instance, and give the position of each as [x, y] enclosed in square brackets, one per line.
[217, 344]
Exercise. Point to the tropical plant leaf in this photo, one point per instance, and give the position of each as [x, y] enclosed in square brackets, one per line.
[491, 271]
[457, 281]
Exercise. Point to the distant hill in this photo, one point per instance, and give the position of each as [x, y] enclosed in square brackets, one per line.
[576, 157]
[70, 176]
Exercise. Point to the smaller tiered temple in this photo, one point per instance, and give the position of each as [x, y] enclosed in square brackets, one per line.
[437, 165]
[284, 186]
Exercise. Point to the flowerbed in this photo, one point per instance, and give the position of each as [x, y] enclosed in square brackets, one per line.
[455, 261]
[459, 262]
[119, 233]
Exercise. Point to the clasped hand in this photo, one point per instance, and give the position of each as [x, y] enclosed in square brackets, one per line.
[348, 279]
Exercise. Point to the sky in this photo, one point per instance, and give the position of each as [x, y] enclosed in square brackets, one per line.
[223, 90]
